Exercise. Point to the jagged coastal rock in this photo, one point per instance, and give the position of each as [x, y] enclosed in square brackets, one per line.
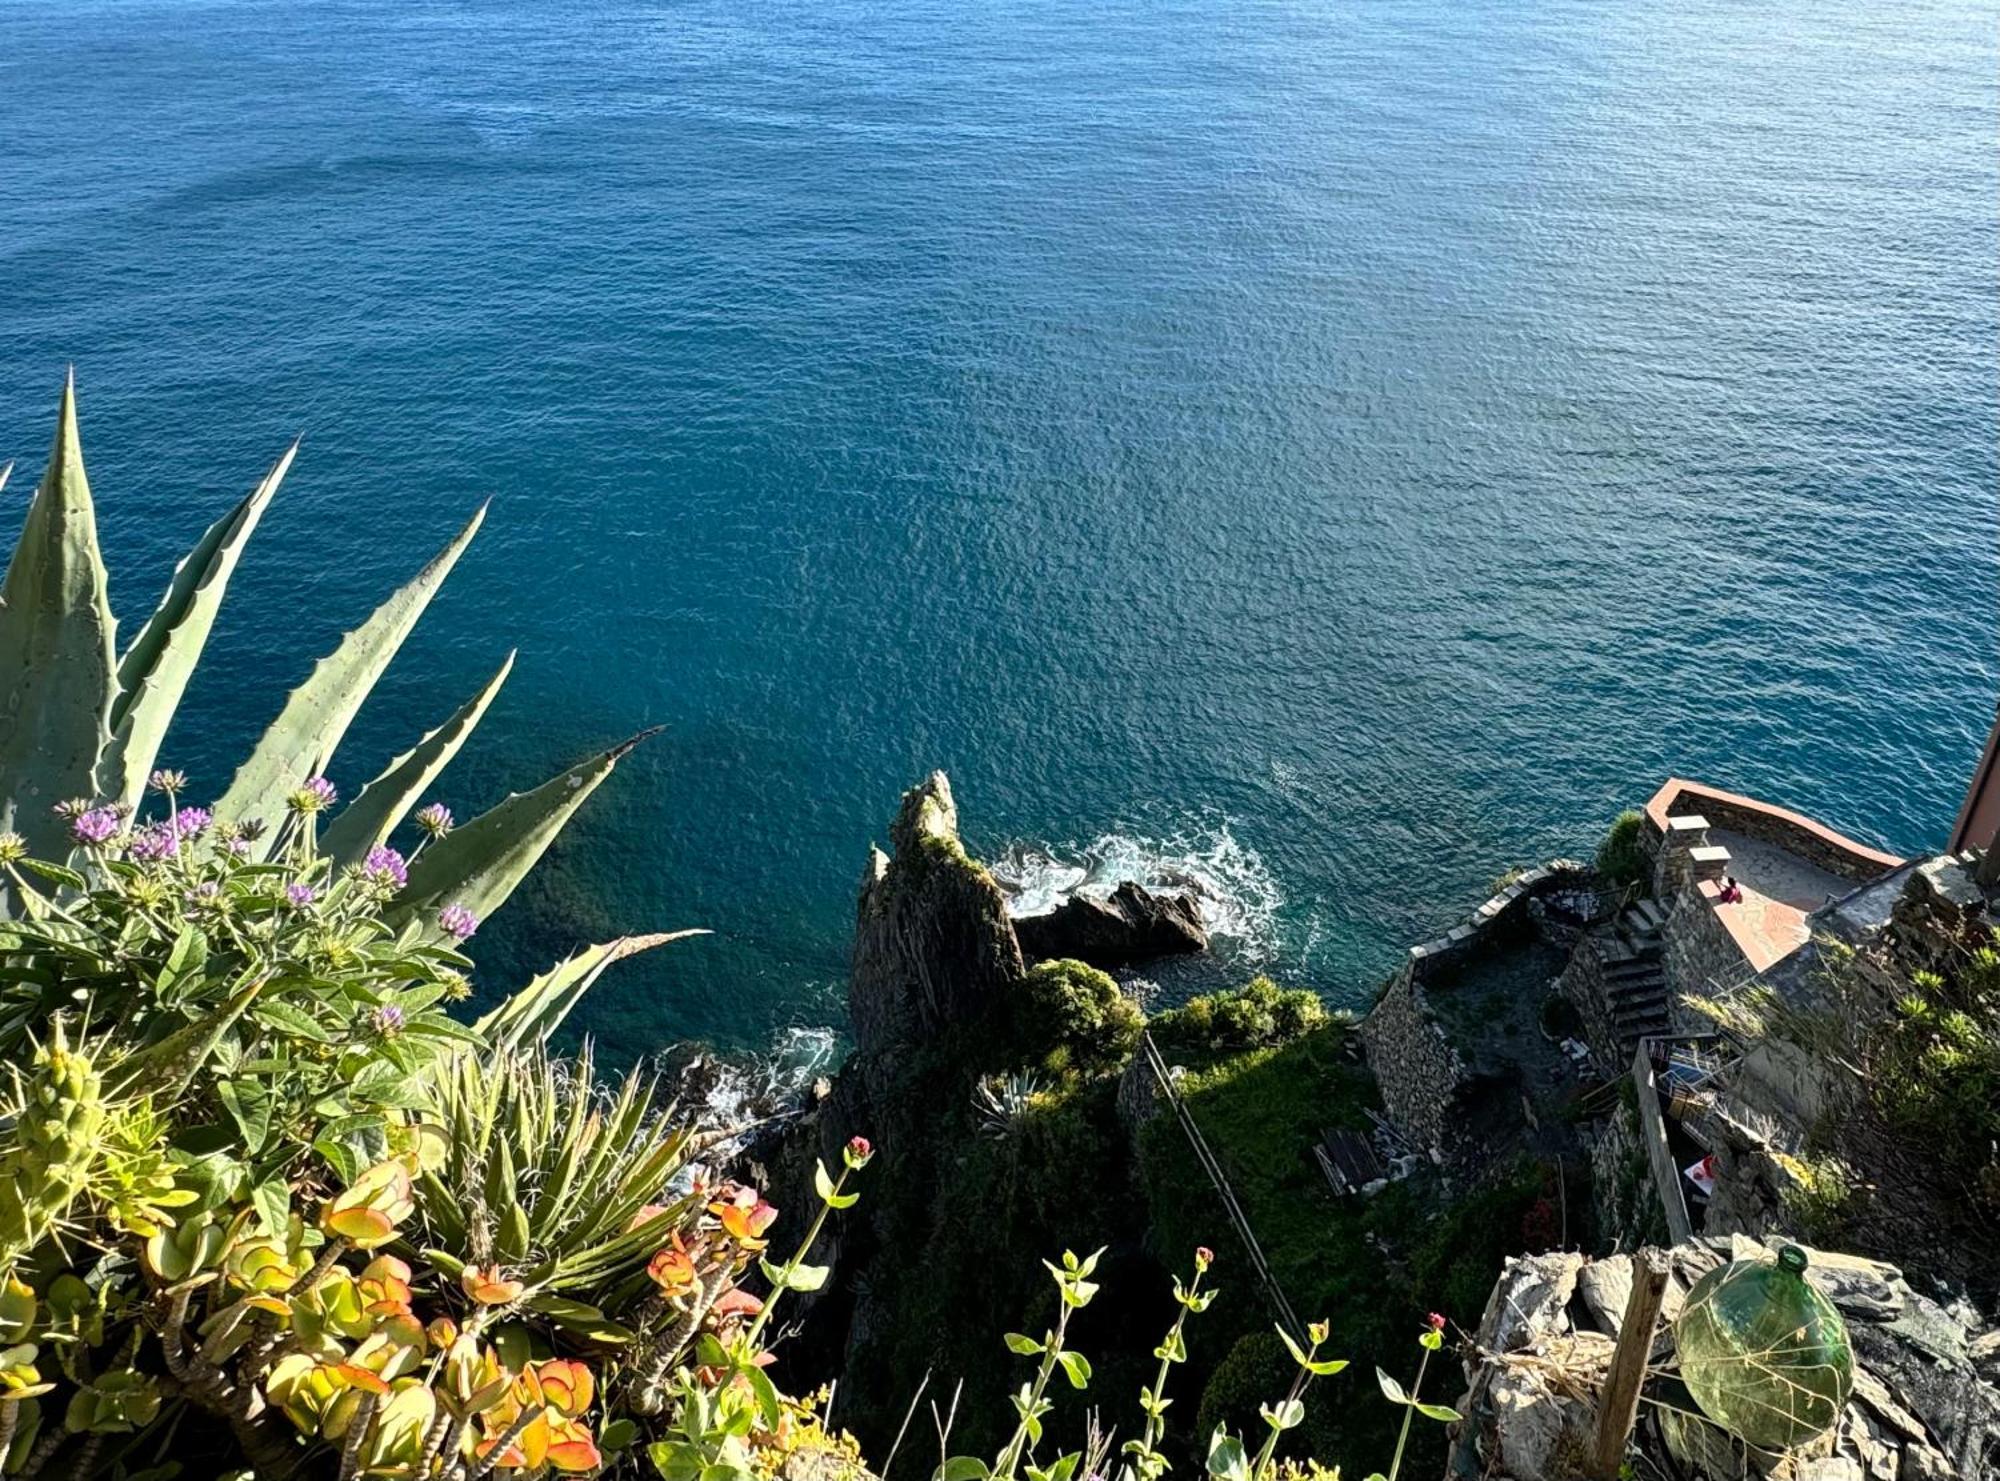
[1133, 925]
[933, 949]
[935, 966]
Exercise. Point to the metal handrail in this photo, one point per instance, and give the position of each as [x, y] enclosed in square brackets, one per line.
[1279, 1304]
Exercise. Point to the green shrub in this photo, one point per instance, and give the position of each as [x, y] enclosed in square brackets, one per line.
[1075, 1019]
[1258, 1015]
[1621, 858]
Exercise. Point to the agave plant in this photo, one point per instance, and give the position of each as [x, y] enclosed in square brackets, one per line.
[79, 720]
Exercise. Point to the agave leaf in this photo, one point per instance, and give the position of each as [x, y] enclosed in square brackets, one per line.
[303, 737]
[56, 657]
[386, 801]
[533, 1013]
[154, 673]
[479, 865]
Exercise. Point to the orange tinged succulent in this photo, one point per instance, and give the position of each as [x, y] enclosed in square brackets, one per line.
[572, 1447]
[745, 1216]
[672, 1268]
[489, 1285]
[367, 1214]
[385, 1286]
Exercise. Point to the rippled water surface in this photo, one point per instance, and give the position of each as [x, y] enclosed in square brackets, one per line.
[1346, 448]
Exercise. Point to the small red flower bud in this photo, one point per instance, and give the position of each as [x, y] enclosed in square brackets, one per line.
[1436, 1321]
[857, 1152]
[1203, 1257]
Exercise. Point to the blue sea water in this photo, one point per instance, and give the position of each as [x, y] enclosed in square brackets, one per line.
[1345, 447]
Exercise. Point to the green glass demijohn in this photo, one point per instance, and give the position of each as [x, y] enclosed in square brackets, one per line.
[1765, 1354]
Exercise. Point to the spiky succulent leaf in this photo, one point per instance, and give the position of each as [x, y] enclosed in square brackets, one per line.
[303, 737]
[56, 656]
[478, 865]
[386, 801]
[588, 1194]
[533, 1013]
[154, 673]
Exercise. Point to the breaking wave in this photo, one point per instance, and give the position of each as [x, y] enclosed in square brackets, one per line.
[1238, 895]
[736, 1092]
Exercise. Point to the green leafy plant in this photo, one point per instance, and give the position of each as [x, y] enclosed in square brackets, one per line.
[1227, 1458]
[1258, 1015]
[1074, 1019]
[1412, 1405]
[1148, 1463]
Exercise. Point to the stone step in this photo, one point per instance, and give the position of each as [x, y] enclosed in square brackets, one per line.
[1633, 1029]
[1638, 990]
[1649, 912]
[1639, 975]
[1619, 952]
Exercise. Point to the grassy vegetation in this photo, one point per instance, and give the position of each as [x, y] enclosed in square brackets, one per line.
[1621, 857]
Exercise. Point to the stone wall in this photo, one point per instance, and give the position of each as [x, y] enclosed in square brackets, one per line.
[1420, 1074]
[1793, 832]
[1504, 912]
[1582, 983]
[1698, 955]
[1416, 1068]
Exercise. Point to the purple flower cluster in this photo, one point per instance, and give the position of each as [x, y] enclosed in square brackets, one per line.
[299, 894]
[153, 843]
[387, 1020]
[192, 820]
[385, 866]
[96, 825]
[434, 820]
[457, 922]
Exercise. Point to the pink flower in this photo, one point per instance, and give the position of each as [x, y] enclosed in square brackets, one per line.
[857, 1152]
[1436, 1321]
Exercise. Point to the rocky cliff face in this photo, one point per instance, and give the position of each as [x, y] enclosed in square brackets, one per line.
[934, 952]
[935, 967]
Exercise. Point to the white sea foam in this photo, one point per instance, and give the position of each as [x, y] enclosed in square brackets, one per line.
[1238, 895]
[736, 1092]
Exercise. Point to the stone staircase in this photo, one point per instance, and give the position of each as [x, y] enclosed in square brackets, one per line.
[1635, 985]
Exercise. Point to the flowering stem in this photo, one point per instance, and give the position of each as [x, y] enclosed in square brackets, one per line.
[1409, 1412]
[1300, 1383]
[779, 1287]
[1156, 1423]
[1017, 1446]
